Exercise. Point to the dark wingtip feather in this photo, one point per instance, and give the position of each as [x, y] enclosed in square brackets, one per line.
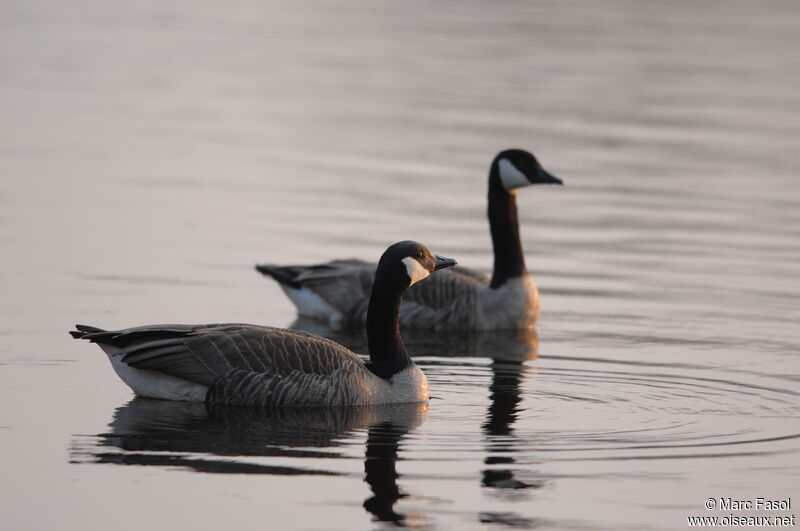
[83, 330]
[282, 274]
[87, 328]
[270, 270]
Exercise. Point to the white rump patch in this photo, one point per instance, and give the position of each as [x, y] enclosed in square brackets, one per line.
[415, 270]
[510, 176]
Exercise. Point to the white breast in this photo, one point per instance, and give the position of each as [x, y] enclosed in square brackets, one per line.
[408, 385]
[515, 304]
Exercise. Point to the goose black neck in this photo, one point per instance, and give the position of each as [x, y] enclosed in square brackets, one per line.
[387, 353]
[509, 262]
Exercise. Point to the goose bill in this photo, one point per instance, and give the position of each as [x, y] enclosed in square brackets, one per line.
[546, 177]
[442, 262]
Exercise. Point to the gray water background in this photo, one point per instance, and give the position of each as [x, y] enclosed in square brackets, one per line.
[152, 152]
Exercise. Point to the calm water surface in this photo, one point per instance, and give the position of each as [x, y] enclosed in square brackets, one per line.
[152, 152]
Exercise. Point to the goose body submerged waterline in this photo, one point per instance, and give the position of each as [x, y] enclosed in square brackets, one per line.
[253, 365]
[456, 299]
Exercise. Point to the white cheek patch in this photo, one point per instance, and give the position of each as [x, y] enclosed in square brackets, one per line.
[415, 270]
[510, 176]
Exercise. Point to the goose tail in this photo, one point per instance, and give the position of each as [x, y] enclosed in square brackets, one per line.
[82, 331]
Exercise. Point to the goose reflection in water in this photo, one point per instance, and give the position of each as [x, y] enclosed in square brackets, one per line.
[381, 472]
[508, 350]
[514, 346]
[209, 439]
[508, 372]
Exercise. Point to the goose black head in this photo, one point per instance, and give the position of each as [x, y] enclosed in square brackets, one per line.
[411, 262]
[517, 168]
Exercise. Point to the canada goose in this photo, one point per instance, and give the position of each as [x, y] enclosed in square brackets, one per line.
[459, 298]
[262, 366]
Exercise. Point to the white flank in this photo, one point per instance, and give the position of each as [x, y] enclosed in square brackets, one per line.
[415, 270]
[154, 384]
[309, 303]
[510, 176]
